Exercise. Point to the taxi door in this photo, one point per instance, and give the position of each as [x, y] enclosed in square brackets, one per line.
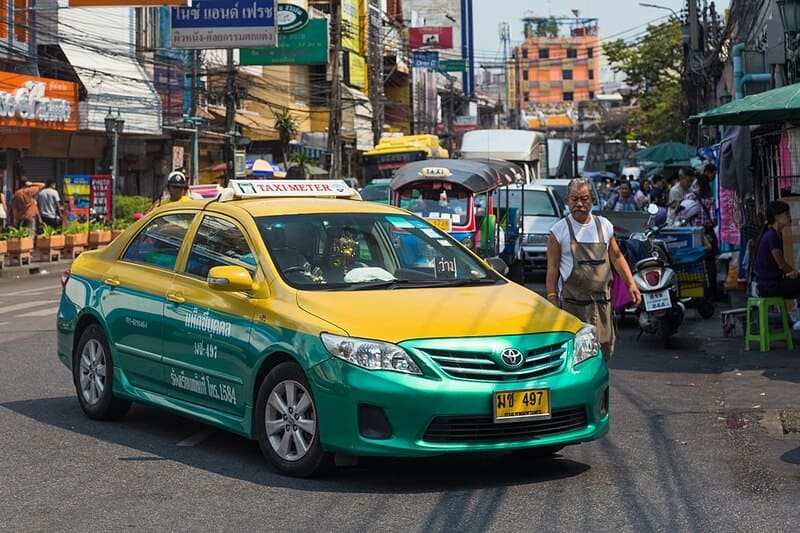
[133, 299]
[207, 355]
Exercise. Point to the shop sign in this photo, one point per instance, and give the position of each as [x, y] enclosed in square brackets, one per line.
[425, 60]
[308, 46]
[291, 18]
[223, 24]
[30, 102]
[439, 38]
[125, 3]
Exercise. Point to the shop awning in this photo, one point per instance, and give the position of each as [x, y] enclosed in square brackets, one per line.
[773, 106]
[357, 118]
[256, 127]
[98, 44]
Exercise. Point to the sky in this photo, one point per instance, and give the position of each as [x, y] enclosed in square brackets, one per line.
[617, 19]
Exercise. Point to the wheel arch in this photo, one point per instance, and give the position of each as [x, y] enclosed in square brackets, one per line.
[85, 320]
[269, 362]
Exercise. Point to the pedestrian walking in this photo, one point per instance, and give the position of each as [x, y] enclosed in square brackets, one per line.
[581, 251]
[3, 207]
[658, 191]
[49, 203]
[24, 210]
[623, 200]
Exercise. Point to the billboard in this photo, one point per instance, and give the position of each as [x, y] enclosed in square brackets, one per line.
[223, 24]
[32, 102]
[307, 46]
[433, 37]
[425, 60]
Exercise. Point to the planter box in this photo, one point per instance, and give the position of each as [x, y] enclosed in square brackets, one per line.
[20, 245]
[3, 247]
[73, 240]
[53, 242]
[99, 237]
[116, 233]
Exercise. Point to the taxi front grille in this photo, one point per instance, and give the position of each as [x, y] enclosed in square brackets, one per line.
[481, 365]
[482, 429]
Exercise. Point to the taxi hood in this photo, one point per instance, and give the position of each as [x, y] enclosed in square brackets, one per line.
[395, 315]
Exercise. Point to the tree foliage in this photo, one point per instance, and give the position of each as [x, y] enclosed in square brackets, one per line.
[286, 126]
[654, 71]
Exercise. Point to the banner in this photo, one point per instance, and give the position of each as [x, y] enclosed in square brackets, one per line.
[77, 193]
[223, 24]
[425, 60]
[306, 46]
[100, 199]
[439, 37]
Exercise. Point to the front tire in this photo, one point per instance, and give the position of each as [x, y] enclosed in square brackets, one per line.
[286, 423]
[93, 374]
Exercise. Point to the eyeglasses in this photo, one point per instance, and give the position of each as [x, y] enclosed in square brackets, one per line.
[582, 199]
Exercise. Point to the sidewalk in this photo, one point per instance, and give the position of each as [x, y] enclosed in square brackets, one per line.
[35, 268]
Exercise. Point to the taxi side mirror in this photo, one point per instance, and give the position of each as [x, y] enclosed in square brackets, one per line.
[229, 278]
[498, 264]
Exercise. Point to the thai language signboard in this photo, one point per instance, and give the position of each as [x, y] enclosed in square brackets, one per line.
[224, 24]
[307, 46]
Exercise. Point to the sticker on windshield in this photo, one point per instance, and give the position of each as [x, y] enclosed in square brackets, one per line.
[444, 242]
[430, 232]
[400, 222]
[445, 267]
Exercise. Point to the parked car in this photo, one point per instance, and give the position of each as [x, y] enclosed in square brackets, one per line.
[560, 185]
[294, 314]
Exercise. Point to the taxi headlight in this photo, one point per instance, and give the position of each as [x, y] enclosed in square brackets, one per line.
[370, 354]
[585, 345]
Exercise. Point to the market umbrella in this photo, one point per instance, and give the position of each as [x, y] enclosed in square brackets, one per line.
[261, 168]
[777, 105]
[665, 153]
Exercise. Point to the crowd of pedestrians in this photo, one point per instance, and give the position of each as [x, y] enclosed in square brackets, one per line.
[32, 205]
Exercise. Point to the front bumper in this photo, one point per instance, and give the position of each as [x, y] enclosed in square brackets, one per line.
[433, 415]
[534, 257]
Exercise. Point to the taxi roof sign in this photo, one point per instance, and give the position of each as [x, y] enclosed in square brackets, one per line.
[286, 188]
[435, 172]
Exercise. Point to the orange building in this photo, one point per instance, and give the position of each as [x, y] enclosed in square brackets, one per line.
[558, 62]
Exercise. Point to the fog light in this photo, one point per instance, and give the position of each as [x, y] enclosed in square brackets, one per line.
[372, 422]
[604, 404]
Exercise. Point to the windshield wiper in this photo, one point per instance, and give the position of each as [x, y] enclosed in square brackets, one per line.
[390, 284]
[468, 281]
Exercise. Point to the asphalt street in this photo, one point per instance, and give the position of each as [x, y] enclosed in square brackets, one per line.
[697, 443]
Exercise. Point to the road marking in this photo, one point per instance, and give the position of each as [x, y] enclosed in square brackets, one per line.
[18, 307]
[42, 312]
[198, 437]
[29, 291]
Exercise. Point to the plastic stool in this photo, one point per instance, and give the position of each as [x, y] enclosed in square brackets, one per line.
[766, 335]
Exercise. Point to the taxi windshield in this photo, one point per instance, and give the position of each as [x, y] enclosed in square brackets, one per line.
[353, 251]
[438, 200]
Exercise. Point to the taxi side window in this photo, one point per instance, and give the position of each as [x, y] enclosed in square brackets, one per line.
[158, 243]
[218, 243]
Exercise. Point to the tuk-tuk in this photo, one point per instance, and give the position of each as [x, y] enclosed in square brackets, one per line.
[455, 195]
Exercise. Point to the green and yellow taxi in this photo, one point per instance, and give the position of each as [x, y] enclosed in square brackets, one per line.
[326, 328]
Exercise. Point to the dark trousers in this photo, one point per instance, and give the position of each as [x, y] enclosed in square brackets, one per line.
[52, 222]
[788, 288]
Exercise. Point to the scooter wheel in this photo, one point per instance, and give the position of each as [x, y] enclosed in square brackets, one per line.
[705, 308]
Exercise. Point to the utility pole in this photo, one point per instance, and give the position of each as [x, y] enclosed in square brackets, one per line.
[230, 124]
[693, 85]
[334, 144]
[505, 36]
[375, 62]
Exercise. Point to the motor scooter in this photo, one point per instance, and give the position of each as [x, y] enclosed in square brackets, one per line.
[660, 311]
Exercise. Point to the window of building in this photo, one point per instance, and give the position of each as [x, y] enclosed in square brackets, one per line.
[572, 53]
[591, 73]
[568, 96]
[524, 53]
[591, 95]
[527, 98]
[566, 74]
[590, 52]
[524, 74]
[544, 53]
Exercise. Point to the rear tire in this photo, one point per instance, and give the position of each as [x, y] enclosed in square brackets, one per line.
[705, 308]
[93, 375]
[286, 423]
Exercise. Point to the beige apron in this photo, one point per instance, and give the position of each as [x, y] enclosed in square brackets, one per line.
[586, 293]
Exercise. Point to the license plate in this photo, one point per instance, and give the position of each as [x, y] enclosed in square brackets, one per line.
[512, 406]
[653, 301]
[443, 224]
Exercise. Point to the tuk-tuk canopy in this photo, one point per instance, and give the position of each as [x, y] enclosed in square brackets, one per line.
[477, 176]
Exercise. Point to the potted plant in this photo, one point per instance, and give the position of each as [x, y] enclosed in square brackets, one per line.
[3, 246]
[118, 225]
[19, 240]
[99, 234]
[75, 235]
[51, 239]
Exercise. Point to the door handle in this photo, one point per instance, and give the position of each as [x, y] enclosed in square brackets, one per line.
[111, 282]
[175, 297]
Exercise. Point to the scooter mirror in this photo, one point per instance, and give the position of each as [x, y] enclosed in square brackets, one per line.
[652, 209]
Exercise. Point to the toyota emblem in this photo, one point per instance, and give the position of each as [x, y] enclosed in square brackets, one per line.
[512, 357]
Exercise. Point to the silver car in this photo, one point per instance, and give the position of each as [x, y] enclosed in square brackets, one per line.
[540, 207]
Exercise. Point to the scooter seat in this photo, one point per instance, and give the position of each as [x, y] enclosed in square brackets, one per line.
[648, 262]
